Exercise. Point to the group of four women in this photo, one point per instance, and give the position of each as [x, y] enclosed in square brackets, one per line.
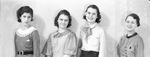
[64, 43]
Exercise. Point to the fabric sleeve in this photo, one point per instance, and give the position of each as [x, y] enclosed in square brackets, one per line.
[70, 45]
[118, 47]
[102, 51]
[47, 49]
[80, 40]
[15, 36]
[118, 52]
[140, 48]
[36, 44]
[79, 44]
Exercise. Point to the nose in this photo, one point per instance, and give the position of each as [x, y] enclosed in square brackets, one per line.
[27, 19]
[90, 15]
[129, 24]
[63, 21]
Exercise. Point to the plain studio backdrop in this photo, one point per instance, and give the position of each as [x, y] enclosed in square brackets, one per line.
[113, 13]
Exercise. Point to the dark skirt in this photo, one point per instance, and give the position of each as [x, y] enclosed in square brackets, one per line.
[89, 54]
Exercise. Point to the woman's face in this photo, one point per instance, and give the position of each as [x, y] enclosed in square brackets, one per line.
[91, 15]
[25, 18]
[63, 21]
[130, 24]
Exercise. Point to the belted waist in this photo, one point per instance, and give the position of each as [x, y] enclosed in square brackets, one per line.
[24, 52]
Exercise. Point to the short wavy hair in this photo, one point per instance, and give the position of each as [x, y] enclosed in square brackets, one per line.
[22, 10]
[136, 17]
[98, 13]
[65, 12]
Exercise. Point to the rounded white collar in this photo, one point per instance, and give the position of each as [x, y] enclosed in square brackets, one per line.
[23, 33]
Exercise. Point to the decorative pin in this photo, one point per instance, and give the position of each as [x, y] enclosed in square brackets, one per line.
[28, 40]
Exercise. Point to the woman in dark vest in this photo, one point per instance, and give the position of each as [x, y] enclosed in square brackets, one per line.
[131, 44]
[27, 39]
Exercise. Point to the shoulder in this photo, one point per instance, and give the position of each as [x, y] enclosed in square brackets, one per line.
[71, 32]
[123, 37]
[99, 29]
[138, 38]
[15, 30]
[53, 33]
[34, 30]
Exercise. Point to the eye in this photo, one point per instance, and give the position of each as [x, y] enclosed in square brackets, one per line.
[127, 21]
[88, 12]
[29, 16]
[94, 13]
[24, 16]
[132, 22]
[66, 20]
[61, 19]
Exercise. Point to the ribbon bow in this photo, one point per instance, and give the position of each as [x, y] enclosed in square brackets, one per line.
[58, 35]
[87, 31]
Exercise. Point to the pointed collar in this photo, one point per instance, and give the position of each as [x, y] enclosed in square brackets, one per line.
[93, 25]
[58, 35]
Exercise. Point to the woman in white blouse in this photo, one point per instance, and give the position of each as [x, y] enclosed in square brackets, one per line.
[92, 37]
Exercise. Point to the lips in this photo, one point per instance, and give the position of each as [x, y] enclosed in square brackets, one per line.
[129, 27]
[90, 18]
[26, 22]
[63, 24]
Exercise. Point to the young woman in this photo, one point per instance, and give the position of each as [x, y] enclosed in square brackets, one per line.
[62, 42]
[27, 40]
[131, 44]
[92, 37]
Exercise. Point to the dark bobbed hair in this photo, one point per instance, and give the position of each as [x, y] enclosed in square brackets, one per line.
[65, 12]
[98, 13]
[136, 17]
[24, 9]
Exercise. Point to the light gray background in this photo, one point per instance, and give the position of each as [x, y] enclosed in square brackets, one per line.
[113, 13]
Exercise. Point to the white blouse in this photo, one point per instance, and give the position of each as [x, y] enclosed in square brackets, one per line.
[95, 41]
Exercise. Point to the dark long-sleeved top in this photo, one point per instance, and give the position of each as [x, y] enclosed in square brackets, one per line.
[28, 42]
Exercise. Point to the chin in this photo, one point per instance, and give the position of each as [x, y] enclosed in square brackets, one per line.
[90, 20]
[63, 27]
[129, 30]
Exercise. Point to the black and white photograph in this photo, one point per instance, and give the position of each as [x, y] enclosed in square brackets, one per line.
[74, 28]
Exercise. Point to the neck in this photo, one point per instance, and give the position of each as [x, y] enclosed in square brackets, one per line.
[60, 30]
[129, 33]
[23, 26]
[91, 23]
